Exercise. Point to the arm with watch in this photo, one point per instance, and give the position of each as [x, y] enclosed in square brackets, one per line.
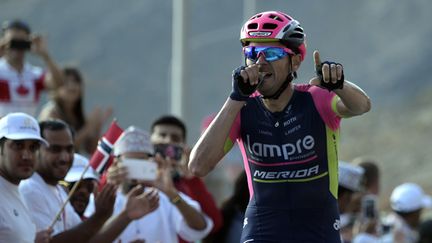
[193, 218]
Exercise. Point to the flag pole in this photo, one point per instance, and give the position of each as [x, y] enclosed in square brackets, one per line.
[71, 192]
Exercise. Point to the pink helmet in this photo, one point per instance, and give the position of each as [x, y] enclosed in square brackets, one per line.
[274, 25]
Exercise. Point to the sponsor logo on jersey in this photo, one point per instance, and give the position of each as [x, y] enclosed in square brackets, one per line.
[290, 121]
[287, 174]
[336, 224]
[287, 150]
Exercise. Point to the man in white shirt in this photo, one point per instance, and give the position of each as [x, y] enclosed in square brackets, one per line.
[407, 202]
[19, 142]
[45, 197]
[177, 214]
[21, 82]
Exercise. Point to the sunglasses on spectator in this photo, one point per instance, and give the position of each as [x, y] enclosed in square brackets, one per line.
[271, 53]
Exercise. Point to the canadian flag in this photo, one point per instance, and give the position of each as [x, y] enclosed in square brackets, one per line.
[102, 158]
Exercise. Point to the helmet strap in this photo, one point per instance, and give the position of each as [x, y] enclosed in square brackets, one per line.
[290, 77]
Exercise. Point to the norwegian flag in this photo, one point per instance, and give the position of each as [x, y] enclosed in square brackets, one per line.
[102, 158]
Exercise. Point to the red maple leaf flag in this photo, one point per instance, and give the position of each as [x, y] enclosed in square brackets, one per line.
[102, 158]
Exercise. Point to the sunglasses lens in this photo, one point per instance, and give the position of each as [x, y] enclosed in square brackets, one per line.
[270, 53]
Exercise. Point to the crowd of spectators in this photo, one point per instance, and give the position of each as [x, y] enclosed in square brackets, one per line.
[42, 162]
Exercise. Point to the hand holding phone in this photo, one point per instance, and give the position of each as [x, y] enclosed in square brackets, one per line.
[368, 207]
[140, 169]
[18, 44]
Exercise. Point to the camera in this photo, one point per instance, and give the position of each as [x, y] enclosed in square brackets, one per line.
[19, 44]
[368, 207]
[174, 152]
[141, 169]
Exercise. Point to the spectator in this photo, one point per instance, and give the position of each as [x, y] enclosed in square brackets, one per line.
[407, 202]
[45, 197]
[21, 82]
[425, 231]
[350, 178]
[177, 214]
[67, 105]
[371, 176]
[233, 210]
[19, 142]
[170, 130]
[81, 197]
[138, 203]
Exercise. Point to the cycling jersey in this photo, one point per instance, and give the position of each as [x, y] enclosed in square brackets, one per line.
[290, 158]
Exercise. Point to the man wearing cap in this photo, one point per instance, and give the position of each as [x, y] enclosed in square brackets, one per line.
[19, 142]
[407, 202]
[170, 131]
[139, 203]
[177, 214]
[45, 197]
[21, 82]
[81, 197]
[350, 178]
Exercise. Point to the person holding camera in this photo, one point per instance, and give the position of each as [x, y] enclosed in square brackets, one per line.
[21, 82]
[176, 214]
[168, 135]
[288, 133]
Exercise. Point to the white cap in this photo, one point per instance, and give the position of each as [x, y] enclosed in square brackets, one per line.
[20, 126]
[78, 166]
[350, 176]
[409, 197]
[133, 139]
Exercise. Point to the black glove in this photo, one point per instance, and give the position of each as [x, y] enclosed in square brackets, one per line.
[241, 90]
[330, 85]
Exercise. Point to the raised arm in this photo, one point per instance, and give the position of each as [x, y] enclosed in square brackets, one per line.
[88, 228]
[54, 76]
[211, 147]
[353, 100]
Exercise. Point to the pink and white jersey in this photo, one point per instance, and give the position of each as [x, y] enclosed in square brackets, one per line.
[19, 92]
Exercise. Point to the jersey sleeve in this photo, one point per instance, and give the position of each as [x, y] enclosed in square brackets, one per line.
[325, 102]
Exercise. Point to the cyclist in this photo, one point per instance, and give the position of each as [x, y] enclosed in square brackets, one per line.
[288, 134]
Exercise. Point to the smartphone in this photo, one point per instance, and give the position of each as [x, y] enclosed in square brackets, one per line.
[140, 169]
[20, 44]
[368, 206]
[174, 152]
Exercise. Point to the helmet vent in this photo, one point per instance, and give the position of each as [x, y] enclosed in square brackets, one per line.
[256, 16]
[269, 26]
[253, 26]
[296, 35]
[275, 17]
[298, 29]
[286, 28]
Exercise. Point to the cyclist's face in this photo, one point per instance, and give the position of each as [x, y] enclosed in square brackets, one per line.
[274, 72]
